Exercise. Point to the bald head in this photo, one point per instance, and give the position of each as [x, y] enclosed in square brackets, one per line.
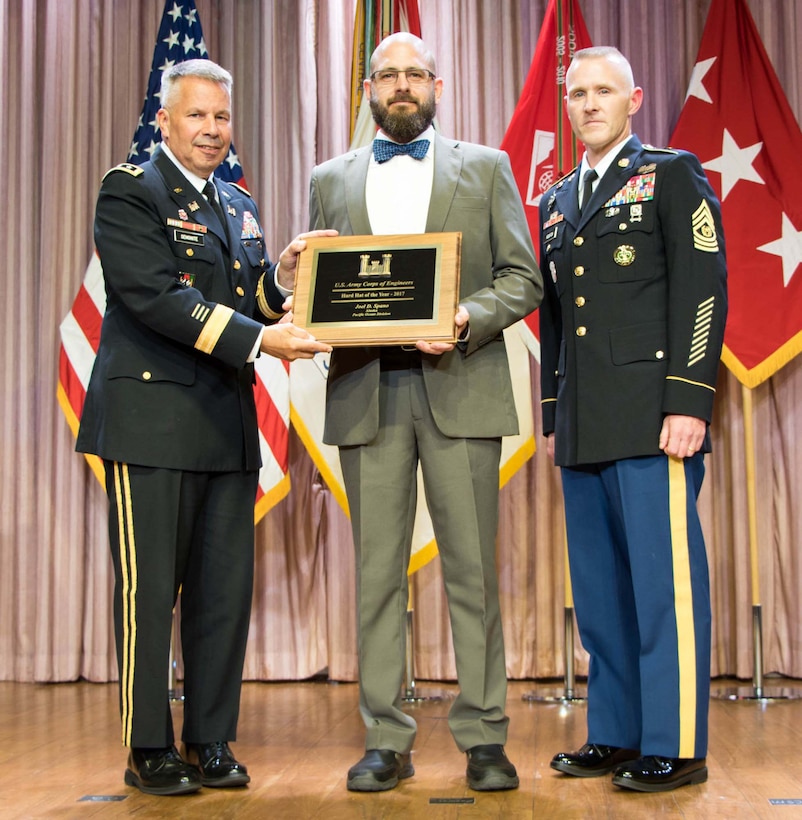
[403, 38]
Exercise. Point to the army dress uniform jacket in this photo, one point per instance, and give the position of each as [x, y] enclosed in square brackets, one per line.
[633, 316]
[171, 386]
[469, 388]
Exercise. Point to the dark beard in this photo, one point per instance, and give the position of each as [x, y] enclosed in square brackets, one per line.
[402, 126]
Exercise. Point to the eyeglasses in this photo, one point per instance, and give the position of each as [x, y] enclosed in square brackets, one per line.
[389, 76]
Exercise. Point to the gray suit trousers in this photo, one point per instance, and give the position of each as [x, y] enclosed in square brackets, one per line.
[461, 478]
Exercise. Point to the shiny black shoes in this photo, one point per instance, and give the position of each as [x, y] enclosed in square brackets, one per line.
[592, 760]
[161, 771]
[218, 766]
[489, 769]
[165, 772]
[660, 774]
[644, 774]
[379, 770]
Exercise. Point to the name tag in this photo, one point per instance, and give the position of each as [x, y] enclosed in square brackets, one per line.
[188, 238]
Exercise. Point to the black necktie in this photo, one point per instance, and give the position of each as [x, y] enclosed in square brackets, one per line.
[384, 150]
[587, 188]
[211, 194]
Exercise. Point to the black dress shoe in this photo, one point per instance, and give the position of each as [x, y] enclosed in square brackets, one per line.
[218, 766]
[592, 760]
[161, 771]
[379, 770]
[660, 774]
[489, 769]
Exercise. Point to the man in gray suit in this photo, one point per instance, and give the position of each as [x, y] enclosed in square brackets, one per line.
[447, 405]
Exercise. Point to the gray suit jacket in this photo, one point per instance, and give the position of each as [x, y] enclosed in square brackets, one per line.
[469, 388]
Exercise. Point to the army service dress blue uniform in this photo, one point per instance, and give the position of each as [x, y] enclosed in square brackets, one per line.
[170, 409]
[632, 325]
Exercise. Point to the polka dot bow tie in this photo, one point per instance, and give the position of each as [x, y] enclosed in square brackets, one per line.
[384, 149]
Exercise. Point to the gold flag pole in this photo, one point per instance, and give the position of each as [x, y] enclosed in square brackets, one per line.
[757, 691]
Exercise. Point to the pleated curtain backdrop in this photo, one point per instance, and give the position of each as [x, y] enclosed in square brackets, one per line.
[74, 78]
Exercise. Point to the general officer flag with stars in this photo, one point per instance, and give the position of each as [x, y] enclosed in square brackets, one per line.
[737, 120]
[180, 38]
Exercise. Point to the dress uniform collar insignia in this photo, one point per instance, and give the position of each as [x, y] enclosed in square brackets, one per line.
[623, 162]
[193, 206]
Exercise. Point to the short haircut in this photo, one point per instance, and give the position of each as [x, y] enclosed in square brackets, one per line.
[203, 69]
[609, 53]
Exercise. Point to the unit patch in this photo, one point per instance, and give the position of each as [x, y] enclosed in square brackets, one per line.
[250, 227]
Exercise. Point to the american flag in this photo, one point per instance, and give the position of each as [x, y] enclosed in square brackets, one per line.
[180, 38]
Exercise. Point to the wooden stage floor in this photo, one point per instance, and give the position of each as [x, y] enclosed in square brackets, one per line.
[60, 757]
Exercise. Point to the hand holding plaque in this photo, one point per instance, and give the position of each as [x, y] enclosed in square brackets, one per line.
[379, 290]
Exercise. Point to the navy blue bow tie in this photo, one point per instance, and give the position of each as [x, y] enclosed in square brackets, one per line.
[384, 149]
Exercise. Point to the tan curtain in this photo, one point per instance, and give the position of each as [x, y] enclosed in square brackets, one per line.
[74, 78]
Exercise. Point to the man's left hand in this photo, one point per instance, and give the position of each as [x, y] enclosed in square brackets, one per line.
[682, 436]
[438, 348]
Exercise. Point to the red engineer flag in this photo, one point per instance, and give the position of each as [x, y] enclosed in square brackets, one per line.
[737, 120]
[179, 38]
[539, 139]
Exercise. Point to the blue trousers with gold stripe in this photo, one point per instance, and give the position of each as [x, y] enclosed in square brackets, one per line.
[192, 531]
[642, 600]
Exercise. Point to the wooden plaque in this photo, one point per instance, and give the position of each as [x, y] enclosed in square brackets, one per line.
[379, 290]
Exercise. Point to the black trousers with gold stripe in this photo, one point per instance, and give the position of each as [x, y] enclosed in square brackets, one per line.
[190, 531]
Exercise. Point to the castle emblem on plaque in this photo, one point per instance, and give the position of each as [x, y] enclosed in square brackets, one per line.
[374, 267]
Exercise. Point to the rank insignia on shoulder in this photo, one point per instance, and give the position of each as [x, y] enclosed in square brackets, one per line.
[240, 188]
[128, 167]
[704, 229]
[660, 150]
